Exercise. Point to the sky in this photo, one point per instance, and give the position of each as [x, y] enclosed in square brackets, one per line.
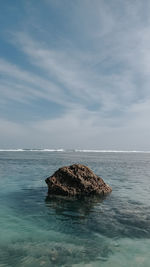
[75, 74]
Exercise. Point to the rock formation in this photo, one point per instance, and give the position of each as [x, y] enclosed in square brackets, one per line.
[76, 180]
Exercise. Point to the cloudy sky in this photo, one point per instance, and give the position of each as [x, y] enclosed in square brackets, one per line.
[75, 74]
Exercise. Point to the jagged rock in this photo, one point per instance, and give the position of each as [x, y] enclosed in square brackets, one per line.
[76, 180]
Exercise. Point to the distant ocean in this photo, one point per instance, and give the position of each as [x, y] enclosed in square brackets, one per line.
[112, 232]
[72, 150]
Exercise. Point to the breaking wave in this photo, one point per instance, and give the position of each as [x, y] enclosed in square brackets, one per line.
[110, 151]
[32, 150]
[72, 150]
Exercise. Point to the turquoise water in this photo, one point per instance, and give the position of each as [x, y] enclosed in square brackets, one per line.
[66, 232]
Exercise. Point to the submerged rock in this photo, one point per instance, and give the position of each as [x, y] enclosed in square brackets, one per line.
[76, 180]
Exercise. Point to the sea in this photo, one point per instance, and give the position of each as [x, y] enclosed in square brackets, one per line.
[36, 231]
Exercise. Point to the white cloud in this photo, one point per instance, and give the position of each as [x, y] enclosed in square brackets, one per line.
[106, 67]
[20, 85]
[83, 82]
[78, 129]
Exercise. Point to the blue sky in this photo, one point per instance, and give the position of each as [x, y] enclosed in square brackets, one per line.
[75, 74]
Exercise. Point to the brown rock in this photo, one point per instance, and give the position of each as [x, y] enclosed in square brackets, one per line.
[76, 180]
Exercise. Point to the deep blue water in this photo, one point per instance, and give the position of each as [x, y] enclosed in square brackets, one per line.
[114, 231]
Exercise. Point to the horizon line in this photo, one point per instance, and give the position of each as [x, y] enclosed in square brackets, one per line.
[71, 150]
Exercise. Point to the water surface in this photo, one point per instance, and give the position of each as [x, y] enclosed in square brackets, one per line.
[66, 232]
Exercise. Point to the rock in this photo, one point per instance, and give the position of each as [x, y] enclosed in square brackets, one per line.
[76, 180]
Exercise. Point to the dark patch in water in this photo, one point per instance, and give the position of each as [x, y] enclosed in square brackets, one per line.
[110, 217]
[51, 254]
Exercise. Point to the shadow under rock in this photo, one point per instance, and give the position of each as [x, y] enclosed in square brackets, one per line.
[113, 217]
[75, 206]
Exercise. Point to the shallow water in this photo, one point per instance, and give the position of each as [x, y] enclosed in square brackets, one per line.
[114, 231]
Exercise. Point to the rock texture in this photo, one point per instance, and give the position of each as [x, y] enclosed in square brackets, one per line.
[76, 180]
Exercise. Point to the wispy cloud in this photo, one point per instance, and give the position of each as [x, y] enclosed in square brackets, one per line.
[26, 84]
[84, 82]
[93, 60]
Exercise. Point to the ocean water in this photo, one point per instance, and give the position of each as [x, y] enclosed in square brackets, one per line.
[114, 231]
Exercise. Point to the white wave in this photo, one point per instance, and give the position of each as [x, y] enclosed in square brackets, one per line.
[109, 151]
[52, 150]
[32, 150]
[75, 150]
